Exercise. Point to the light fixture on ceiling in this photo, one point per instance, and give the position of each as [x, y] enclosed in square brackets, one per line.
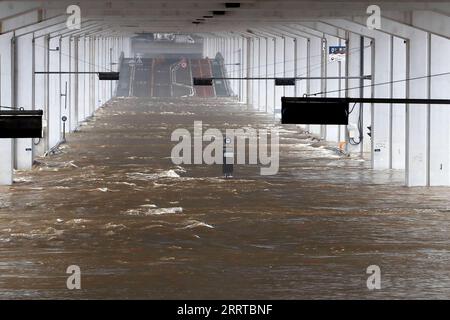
[232, 5]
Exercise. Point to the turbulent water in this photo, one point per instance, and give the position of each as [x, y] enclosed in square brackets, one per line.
[112, 202]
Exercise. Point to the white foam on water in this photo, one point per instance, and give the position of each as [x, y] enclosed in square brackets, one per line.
[180, 169]
[125, 183]
[113, 226]
[173, 113]
[47, 233]
[153, 176]
[23, 179]
[154, 212]
[197, 224]
[77, 221]
[153, 206]
[4, 205]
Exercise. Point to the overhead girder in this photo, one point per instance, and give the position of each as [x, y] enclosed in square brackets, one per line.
[177, 15]
[11, 9]
[326, 29]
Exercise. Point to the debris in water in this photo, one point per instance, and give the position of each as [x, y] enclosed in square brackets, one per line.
[153, 176]
[154, 212]
[197, 224]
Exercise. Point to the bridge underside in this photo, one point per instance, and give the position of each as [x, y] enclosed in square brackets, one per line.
[102, 187]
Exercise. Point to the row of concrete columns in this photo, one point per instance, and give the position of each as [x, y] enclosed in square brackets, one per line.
[69, 94]
[413, 138]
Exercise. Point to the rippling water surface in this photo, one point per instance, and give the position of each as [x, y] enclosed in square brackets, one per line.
[112, 202]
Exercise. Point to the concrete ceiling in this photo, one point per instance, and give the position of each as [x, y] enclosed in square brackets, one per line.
[179, 15]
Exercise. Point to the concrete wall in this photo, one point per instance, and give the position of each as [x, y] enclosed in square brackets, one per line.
[411, 138]
[47, 46]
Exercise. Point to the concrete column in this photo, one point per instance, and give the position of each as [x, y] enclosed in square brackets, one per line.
[216, 46]
[74, 112]
[54, 113]
[110, 59]
[367, 92]
[417, 116]
[381, 113]
[290, 64]
[263, 73]
[65, 83]
[6, 145]
[103, 66]
[301, 66]
[255, 72]
[231, 68]
[398, 112]
[342, 137]
[40, 86]
[250, 67]
[206, 48]
[236, 66]
[439, 166]
[332, 69]
[23, 98]
[279, 72]
[95, 63]
[244, 69]
[100, 64]
[271, 74]
[87, 78]
[81, 79]
[315, 70]
[355, 63]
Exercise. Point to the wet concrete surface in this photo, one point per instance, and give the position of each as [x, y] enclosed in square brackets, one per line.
[113, 203]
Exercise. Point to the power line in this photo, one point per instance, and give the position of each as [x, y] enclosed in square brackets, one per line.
[382, 83]
[350, 52]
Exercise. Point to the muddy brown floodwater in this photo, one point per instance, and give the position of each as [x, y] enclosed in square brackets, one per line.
[138, 226]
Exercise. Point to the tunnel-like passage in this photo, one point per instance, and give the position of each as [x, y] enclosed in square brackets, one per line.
[151, 144]
[112, 201]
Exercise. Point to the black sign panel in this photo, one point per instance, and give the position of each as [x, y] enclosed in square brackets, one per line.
[109, 76]
[203, 82]
[21, 124]
[285, 81]
[308, 111]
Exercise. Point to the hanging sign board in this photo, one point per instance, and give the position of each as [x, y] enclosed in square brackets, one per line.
[113, 76]
[337, 53]
[307, 111]
[203, 81]
[285, 82]
[21, 124]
